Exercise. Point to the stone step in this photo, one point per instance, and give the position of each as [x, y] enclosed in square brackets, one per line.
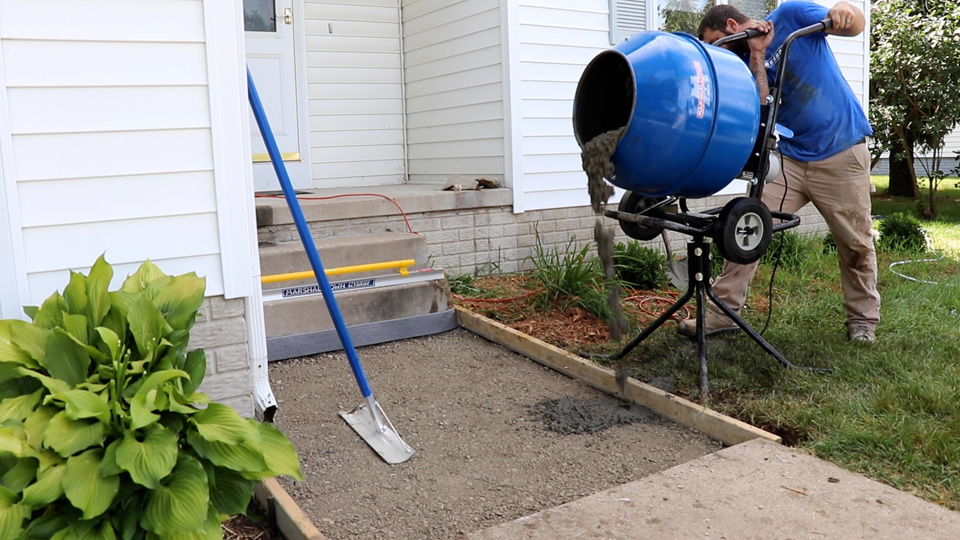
[301, 326]
[340, 251]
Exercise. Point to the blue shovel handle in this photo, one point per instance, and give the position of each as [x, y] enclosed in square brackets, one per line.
[305, 236]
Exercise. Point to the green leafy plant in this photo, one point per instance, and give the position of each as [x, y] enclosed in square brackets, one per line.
[901, 232]
[829, 244]
[716, 260]
[638, 266]
[568, 277]
[463, 285]
[103, 434]
[793, 250]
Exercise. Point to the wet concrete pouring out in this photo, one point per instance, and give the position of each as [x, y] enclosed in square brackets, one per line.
[596, 159]
[497, 436]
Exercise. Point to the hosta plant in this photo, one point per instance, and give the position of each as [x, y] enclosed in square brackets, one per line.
[103, 434]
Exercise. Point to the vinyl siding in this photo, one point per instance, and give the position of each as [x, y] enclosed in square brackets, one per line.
[557, 39]
[110, 131]
[354, 87]
[454, 89]
[852, 55]
[951, 144]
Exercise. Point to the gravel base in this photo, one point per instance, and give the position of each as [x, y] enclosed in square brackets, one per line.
[497, 437]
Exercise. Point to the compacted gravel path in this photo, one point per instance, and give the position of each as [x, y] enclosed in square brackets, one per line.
[497, 437]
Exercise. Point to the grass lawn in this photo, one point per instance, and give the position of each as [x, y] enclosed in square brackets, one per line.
[890, 410]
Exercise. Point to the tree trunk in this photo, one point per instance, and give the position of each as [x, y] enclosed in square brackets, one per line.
[903, 178]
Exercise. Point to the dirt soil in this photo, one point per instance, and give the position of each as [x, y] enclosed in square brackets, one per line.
[497, 437]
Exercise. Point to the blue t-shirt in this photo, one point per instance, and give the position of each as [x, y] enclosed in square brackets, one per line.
[816, 102]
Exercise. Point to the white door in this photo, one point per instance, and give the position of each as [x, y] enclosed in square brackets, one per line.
[271, 41]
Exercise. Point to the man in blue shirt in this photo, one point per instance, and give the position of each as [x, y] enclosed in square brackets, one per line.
[825, 162]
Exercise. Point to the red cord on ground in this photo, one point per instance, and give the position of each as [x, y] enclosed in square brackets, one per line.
[665, 299]
[495, 300]
[395, 203]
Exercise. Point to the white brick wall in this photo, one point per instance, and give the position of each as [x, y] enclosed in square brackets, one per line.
[489, 239]
[221, 331]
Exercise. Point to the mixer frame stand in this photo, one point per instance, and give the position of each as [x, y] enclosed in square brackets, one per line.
[699, 271]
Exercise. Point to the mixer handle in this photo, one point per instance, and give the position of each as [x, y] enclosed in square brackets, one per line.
[750, 33]
[825, 24]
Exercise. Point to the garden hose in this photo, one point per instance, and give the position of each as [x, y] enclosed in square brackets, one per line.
[918, 280]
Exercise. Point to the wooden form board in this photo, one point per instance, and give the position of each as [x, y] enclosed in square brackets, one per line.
[723, 428]
[290, 519]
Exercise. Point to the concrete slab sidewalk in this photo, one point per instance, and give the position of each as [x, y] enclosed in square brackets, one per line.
[754, 490]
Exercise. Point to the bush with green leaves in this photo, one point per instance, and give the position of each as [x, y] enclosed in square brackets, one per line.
[638, 266]
[103, 434]
[568, 277]
[829, 244]
[793, 250]
[901, 232]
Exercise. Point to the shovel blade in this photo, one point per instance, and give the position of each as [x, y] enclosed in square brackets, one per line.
[678, 274]
[373, 426]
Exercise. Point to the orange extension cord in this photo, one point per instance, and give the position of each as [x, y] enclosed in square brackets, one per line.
[395, 203]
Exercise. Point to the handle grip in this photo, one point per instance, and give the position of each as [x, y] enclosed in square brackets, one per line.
[747, 34]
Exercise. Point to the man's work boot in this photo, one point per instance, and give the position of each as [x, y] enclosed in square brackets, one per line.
[712, 325]
[861, 334]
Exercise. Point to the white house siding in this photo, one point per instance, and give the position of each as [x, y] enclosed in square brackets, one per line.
[922, 162]
[557, 38]
[853, 54]
[454, 89]
[355, 92]
[114, 143]
[110, 129]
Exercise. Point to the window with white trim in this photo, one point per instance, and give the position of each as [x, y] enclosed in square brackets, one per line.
[627, 17]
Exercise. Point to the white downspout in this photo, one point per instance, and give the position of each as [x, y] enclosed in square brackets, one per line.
[510, 63]
[403, 96]
[264, 402]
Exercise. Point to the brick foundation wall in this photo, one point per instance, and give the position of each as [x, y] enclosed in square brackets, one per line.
[482, 240]
[221, 331]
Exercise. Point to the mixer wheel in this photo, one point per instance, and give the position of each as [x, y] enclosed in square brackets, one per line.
[744, 229]
[633, 203]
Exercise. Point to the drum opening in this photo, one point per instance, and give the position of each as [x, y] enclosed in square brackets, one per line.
[605, 96]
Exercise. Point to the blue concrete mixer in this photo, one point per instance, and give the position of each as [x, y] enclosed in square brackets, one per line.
[691, 113]
[691, 122]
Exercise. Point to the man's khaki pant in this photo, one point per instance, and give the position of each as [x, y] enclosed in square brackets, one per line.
[839, 187]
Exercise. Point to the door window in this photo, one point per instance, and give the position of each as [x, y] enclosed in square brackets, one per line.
[260, 15]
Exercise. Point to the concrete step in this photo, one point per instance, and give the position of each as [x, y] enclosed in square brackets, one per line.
[396, 308]
[340, 251]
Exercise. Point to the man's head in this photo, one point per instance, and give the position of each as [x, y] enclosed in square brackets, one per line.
[720, 21]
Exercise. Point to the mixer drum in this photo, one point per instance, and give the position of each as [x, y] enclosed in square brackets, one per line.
[691, 111]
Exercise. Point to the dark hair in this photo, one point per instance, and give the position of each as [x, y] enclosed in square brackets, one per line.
[716, 18]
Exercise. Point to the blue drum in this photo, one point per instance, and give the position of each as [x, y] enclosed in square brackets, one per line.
[691, 112]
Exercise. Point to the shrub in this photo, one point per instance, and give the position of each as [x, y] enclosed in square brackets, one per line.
[829, 244]
[463, 285]
[638, 266]
[793, 248]
[103, 434]
[901, 232]
[568, 277]
[716, 260]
